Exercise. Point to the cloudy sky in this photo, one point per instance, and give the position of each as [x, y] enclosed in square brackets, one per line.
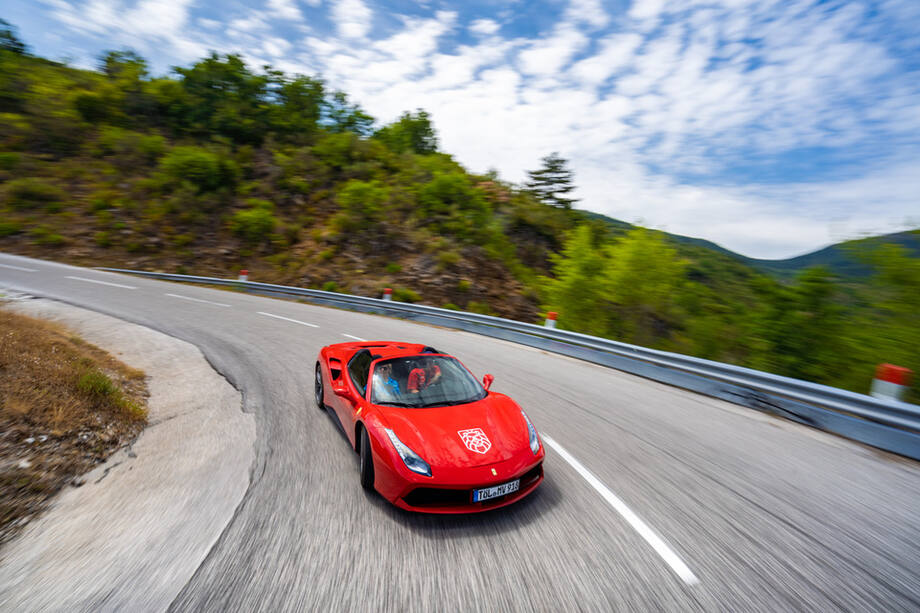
[772, 127]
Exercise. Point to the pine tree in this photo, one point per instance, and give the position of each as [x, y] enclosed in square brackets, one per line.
[552, 182]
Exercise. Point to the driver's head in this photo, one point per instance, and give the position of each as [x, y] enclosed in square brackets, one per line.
[385, 369]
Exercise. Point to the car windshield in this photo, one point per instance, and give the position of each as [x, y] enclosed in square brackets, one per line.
[423, 381]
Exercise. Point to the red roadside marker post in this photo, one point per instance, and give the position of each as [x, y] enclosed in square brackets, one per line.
[387, 293]
[550, 319]
[244, 275]
[890, 381]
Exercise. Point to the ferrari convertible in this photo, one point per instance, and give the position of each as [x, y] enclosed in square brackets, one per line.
[431, 438]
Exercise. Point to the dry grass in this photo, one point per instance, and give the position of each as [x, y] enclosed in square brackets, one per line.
[65, 405]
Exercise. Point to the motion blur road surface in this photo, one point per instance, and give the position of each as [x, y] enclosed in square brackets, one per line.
[766, 514]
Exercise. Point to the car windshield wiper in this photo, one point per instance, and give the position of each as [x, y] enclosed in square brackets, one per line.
[447, 403]
[405, 405]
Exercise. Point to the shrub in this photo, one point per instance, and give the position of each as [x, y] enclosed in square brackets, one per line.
[402, 294]
[479, 307]
[30, 192]
[464, 285]
[96, 384]
[8, 228]
[393, 268]
[43, 235]
[9, 160]
[330, 286]
[256, 223]
[103, 238]
[447, 258]
[451, 306]
[198, 166]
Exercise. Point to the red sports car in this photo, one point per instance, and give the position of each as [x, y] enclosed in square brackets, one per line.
[430, 436]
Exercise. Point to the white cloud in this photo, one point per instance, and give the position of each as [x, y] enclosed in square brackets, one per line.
[484, 26]
[549, 56]
[352, 17]
[284, 9]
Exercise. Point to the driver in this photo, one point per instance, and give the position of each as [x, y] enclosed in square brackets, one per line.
[428, 373]
[385, 372]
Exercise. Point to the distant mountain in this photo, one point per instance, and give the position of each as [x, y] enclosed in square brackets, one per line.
[842, 259]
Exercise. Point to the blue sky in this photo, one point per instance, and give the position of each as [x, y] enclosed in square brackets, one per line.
[772, 127]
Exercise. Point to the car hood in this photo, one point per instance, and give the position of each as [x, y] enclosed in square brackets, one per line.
[484, 432]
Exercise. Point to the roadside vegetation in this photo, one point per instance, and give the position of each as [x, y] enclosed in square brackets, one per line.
[65, 406]
[217, 167]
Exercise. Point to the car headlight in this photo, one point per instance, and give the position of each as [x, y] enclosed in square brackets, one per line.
[532, 432]
[412, 460]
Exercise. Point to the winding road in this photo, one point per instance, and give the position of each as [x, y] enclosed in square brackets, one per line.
[655, 498]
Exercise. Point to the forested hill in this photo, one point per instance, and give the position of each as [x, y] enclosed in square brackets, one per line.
[217, 167]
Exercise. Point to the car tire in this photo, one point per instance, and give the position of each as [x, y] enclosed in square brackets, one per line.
[367, 461]
[318, 388]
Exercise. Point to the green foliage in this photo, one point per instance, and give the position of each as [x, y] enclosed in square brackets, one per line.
[362, 201]
[552, 182]
[339, 115]
[453, 206]
[200, 167]
[97, 384]
[43, 235]
[9, 227]
[9, 41]
[256, 223]
[393, 268]
[330, 286]
[9, 160]
[403, 294]
[482, 308]
[412, 133]
[30, 192]
[451, 306]
[577, 292]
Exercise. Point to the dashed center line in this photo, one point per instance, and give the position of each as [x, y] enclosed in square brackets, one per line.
[102, 282]
[220, 304]
[660, 547]
[293, 321]
[357, 338]
[22, 268]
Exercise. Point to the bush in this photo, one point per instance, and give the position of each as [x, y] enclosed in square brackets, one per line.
[330, 286]
[256, 223]
[479, 307]
[464, 285]
[393, 268]
[451, 306]
[402, 294]
[8, 228]
[43, 235]
[103, 238]
[29, 192]
[9, 160]
[203, 169]
[96, 384]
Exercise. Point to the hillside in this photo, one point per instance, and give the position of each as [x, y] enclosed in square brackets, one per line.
[216, 167]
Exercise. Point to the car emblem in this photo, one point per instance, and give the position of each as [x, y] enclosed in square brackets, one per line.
[475, 440]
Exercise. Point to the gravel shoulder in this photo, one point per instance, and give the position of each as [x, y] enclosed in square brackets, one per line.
[134, 533]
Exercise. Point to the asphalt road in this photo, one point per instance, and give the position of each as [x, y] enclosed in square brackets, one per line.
[765, 514]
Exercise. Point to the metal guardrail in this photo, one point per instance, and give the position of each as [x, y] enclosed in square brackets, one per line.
[890, 425]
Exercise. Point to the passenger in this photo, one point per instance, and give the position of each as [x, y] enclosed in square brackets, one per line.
[428, 373]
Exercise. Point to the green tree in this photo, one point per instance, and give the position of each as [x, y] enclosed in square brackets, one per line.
[451, 204]
[411, 132]
[298, 108]
[577, 290]
[9, 41]
[552, 182]
[340, 115]
[643, 278]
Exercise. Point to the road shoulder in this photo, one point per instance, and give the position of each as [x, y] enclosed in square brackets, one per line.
[142, 523]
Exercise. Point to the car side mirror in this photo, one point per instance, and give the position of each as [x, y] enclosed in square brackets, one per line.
[487, 381]
[340, 388]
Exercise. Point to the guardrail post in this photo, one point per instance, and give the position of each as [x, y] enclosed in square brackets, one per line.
[890, 381]
[387, 293]
[244, 275]
[550, 319]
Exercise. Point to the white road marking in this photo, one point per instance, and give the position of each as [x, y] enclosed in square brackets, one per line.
[666, 553]
[23, 269]
[220, 304]
[295, 321]
[357, 338]
[102, 282]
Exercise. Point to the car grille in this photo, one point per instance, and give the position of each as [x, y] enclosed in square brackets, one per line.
[438, 497]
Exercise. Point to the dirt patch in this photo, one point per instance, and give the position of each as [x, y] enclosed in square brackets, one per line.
[65, 406]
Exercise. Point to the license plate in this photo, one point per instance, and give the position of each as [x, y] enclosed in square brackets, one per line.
[496, 490]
